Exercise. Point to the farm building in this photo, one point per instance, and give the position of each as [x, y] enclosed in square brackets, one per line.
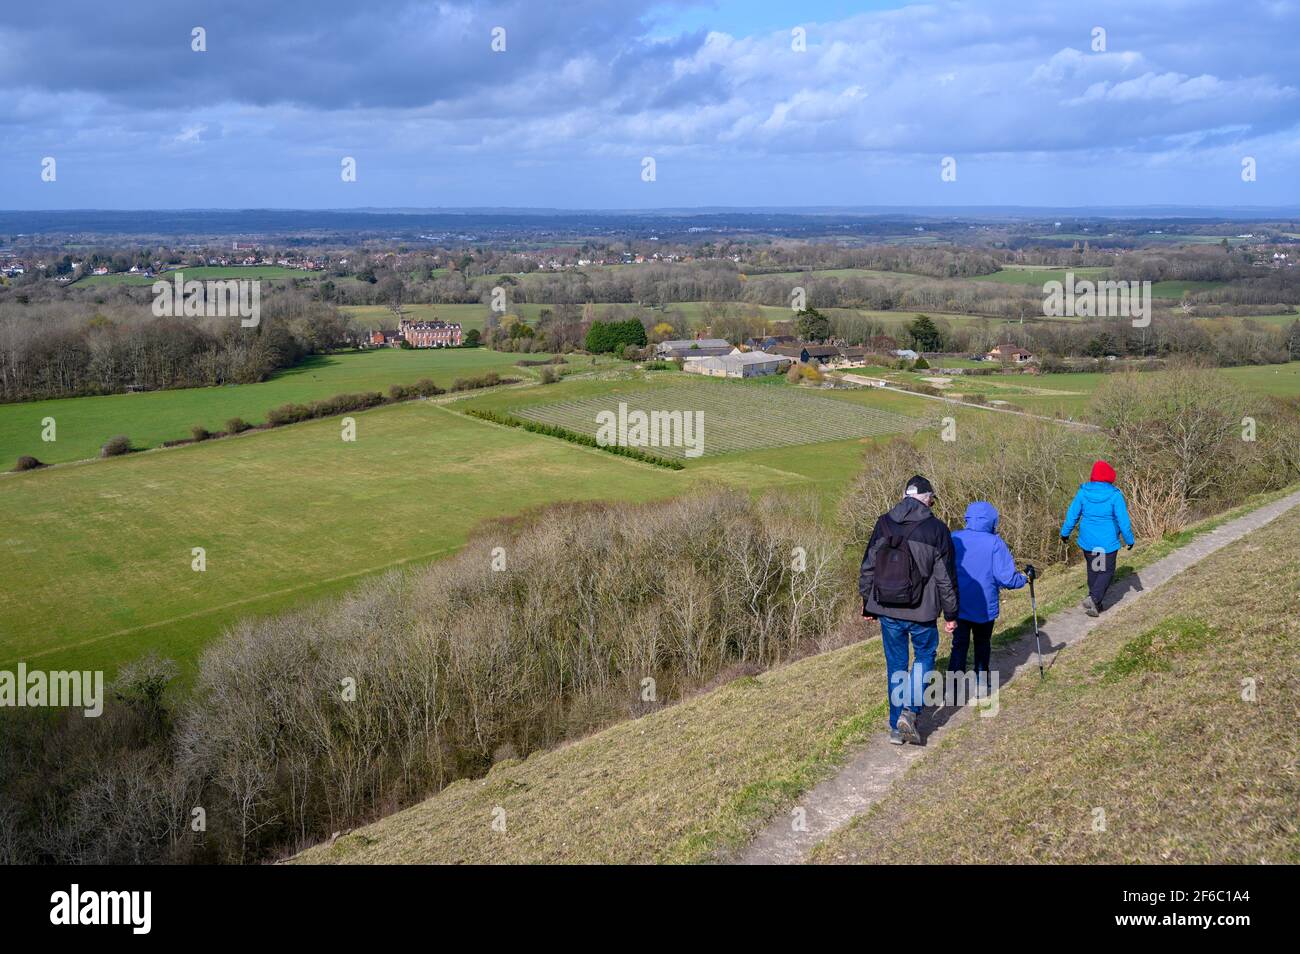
[737, 364]
[808, 353]
[768, 342]
[853, 356]
[692, 348]
[1006, 352]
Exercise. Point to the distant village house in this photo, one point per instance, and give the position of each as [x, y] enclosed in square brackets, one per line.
[1007, 352]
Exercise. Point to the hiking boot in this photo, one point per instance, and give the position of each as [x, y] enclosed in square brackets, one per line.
[1090, 607]
[895, 737]
[907, 727]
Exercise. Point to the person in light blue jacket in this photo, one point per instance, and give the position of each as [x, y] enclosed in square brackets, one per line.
[984, 566]
[1102, 515]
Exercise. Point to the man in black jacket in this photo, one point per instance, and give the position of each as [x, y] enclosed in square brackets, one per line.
[908, 578]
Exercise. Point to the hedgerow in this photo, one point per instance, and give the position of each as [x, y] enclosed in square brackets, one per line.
[550, 430]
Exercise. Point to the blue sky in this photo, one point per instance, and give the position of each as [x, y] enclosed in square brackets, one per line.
[716, 93]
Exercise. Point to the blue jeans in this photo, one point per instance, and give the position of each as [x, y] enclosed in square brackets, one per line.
[894, 634]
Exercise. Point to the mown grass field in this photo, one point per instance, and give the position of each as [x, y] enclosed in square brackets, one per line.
[736, 757]
[1158, 736]
[824, 470]
[95, 556]
[1281, 320]
[796, 276]
[1068, 395]
[737, 416]
[204, 273]
[468, 316]
[1039, 274]
[84, 424]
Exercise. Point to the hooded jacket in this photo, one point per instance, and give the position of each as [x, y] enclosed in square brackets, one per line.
[984, 564]
[1099, 510]
[930, 545]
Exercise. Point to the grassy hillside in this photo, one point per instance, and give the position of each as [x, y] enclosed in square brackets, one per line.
[84, 424]
[1145, 720]
[692, 782]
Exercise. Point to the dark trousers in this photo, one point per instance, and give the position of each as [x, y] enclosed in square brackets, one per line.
[961, 640]
[1099, 580]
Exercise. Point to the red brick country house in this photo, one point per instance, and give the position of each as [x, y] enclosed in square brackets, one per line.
[420, 334]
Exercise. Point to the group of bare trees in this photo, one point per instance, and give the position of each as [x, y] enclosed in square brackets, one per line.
[309, 722]
[57, 350]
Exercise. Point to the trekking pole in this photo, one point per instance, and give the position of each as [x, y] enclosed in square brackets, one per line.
[1033, 602]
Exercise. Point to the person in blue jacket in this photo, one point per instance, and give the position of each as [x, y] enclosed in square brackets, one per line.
[1102, 515]
[984, 566]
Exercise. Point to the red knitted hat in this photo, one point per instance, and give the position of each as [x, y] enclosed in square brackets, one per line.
[1103, 472]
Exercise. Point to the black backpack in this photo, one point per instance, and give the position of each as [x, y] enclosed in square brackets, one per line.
[898, 582]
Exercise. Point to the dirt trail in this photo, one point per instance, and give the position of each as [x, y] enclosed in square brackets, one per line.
[871, 770]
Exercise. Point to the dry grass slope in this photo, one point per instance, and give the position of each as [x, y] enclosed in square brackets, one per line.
[1144, 720]
[694, 782]
[680, 785]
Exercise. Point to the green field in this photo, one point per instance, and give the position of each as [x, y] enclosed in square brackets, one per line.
[203, 273]
[1039, 274]
[468, 316]
[1068, 395]
[95, 558]
[736, 415]
[1283, 320]
[84, 424]
[875, 273]
[1177, 289]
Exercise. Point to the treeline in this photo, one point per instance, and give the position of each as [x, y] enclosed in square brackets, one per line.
[53, 351]
[309, 723]
[1224, 342]
[926, 279]
[935, 262]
